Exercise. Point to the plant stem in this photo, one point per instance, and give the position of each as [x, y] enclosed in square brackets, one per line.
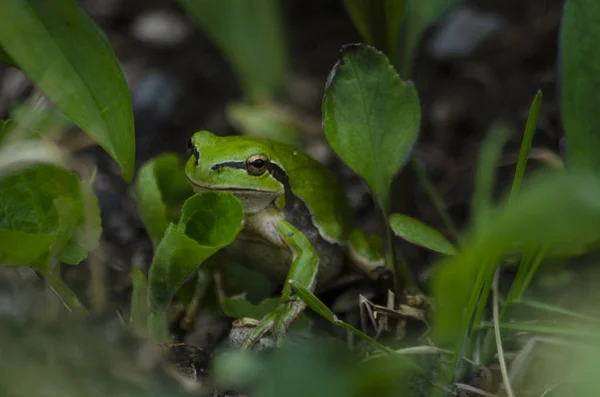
[435, 197]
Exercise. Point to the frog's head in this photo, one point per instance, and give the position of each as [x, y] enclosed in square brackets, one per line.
[240, 165]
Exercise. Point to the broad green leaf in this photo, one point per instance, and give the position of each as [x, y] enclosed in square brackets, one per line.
[39, 209]
[378, 21]
[560, 209]
[371, 117]
[580, 82]
[6, 126]
[161, 188]
[59, 47]
[250, 36]
[4, 57]
[418, 16]
[417, 232]
[209, 222]
[236, 307]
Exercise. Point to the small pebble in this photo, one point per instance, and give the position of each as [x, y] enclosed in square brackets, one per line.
[160, 28]
[462, 31]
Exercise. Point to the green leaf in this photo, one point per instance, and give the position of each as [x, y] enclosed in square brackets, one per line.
[250, 36]
[59, 47]
[418, 16]
[580, 82]
[236, 307]
[378, 21]
[532, 118]
[4, 57]
[417, 232]
[265, 121]
[560, 209]
[485, 178]
[139, 301]
[86, 235]
[371, 118]
[209, 222]
[161, 188]
[39, 209]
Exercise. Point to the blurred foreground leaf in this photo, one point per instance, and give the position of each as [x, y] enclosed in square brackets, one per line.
[40, 208]
[250, 36]
[60, 48]
[580, 82]
[559, 210]
[378, 21]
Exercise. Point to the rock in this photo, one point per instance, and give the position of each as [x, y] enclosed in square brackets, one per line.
[462, 31]
[160, 28]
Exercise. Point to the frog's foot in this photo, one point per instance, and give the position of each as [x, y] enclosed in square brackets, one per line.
[385, 280]
[278, 321]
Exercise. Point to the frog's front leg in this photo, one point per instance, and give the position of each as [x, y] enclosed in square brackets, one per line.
[304, 268]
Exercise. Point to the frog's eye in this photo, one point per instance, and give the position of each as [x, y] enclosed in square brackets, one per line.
[192, 149]
[257, 164]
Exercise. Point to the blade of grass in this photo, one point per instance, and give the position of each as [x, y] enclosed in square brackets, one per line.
[543, 329]
[532, 118]
[554, 309]
[489, 154]
[499, 347]
[435, 197]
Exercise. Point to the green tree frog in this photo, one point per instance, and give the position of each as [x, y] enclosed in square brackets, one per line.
[298, 222]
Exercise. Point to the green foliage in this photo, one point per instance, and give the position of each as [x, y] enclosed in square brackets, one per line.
[418, 16]
[532, 119]
[419, 233]
[4, 57]
[371, 118]
[209, 222]
[161, 188]
[250, 36]
[378, 21]
[580, 82]
[316, 368]
[43, 214]
[555, 209]
[139, 301]
[264, 121]
[68, 58]
[489, 155]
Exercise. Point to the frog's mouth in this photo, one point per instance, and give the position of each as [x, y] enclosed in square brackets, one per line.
[203, 188]
[253, 200]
